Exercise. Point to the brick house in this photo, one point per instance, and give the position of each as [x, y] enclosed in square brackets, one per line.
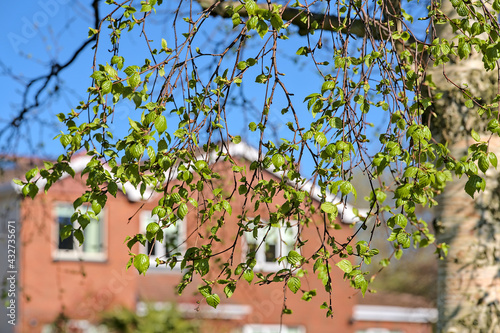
[57, 276]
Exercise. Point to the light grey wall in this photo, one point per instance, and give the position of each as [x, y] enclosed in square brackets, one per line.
[9, 211]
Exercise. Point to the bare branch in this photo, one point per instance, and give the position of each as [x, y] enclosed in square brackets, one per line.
[54, 71]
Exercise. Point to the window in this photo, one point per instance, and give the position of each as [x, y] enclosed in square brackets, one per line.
[269, 244]
[378, 330]
[92, 249]
[273, 329]
[173, 240]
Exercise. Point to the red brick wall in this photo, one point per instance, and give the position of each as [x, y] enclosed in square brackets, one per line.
[82, 290]
[266, 301]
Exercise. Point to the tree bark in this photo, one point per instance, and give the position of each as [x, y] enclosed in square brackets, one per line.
[469, 277]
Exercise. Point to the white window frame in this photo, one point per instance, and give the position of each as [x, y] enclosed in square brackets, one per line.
[282, 246]
[263, 328]
[78, 253]
[145, 219]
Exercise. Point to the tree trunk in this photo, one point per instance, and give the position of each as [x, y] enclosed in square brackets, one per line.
[469, 277]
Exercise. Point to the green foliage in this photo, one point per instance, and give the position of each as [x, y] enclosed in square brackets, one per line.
[165, 320]
[384, 76]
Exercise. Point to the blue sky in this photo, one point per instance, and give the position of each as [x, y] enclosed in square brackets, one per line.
[39, 32]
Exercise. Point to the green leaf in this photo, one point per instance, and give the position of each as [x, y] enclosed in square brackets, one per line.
[328, 85]
[475, 136]
[276, 22]
[118, 61]
[141, 263]
[462, 9]
[248, 275]
[151, 230]
[92, 32]
[242, 189]
[474, 184]
[146, 7]
[65, 140]
[321, 139]
[345, 265]
[227, 207]
[161, 124]
[493, 159]
[304, 50]
[496, 5]
[66, 231]
[96, 207]
[403, 239]
[294, 258]
[262, 28]
[106, 87]
[229, 290]
[213, 300]
[182, 211]
[151, 154]
[137, 150]
[31, 174]
[250, 7]
[329, 208]
[252, 22]
[483, 163]
[400, 220]
[79, 236]
[336, 122]
[134, 80]
[261, 78]
[278, 160]
[294, 284]
[464, 49]
[131, 70]
[308, 295]
[236, 19]
[84, 221]
[205, 290]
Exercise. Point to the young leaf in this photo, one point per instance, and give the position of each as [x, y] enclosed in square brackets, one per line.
[141, 263]
[294, 284]
[213, 300]
[345, 265]
[248, 275]
[161, 124]
[278, 160]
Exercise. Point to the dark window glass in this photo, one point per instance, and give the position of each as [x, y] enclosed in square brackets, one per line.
[66, 244]
[151, 248]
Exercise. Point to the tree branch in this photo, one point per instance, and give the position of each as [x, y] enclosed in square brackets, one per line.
[301, 18]
[55, 70]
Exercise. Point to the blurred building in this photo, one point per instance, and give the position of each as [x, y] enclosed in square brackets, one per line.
[57, 276]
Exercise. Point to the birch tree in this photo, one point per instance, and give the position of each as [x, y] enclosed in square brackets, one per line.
[425, 73]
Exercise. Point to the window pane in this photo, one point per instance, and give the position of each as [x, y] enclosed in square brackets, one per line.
[252, 247]
[288, 238]
[270, 252]
[293, 330]
[151, 248]
[66, 244]
[171, 240]
[93, 237]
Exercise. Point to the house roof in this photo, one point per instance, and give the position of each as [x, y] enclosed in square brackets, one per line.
[242, 150]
